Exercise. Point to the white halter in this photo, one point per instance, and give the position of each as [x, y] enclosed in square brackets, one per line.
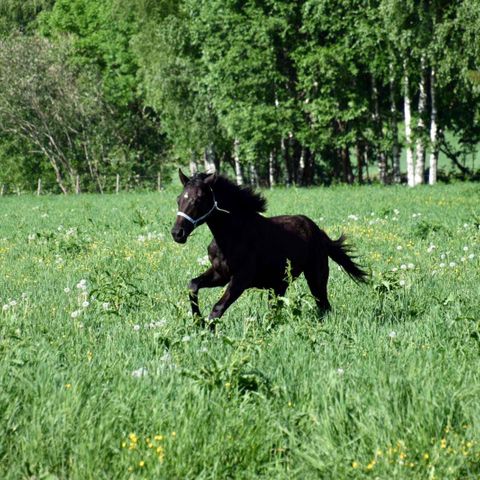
[203, 217]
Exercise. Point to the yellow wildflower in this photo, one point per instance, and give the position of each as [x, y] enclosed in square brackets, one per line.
[443, 443]
[141, 463]
[159, 438]
[355, 465]
[426, 456]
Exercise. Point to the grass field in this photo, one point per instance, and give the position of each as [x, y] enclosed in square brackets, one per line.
[104, 376]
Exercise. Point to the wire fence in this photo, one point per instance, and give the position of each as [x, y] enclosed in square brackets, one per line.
[85, 184]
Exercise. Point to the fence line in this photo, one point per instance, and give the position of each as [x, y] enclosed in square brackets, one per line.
[111, 184]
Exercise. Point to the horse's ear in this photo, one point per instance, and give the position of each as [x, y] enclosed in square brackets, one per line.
[183, 178]
[210, 179]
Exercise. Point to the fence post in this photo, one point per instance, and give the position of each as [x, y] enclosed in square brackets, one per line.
[77, 184]
[2, 190]
[159, 181]
[117, 186]
[39, 187]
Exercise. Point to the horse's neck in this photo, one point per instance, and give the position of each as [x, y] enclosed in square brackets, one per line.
[225, 228]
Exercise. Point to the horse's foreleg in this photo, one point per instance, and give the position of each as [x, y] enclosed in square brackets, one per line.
[234, 289]
[210, 278]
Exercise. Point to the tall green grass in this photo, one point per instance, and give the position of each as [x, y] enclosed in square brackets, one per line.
[104, 375]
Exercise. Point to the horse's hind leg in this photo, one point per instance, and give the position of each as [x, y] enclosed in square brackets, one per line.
[208, 279]
[317, 278]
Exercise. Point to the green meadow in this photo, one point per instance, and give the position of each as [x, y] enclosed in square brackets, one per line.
[103, 374]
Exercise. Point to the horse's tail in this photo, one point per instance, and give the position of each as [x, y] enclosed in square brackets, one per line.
[341, 253]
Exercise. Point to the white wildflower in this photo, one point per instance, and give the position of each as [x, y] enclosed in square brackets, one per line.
[353, 217]
[463, 259]
[399, 247]
[392, 334]
[394, 269]
[442, 256]
[32, 237]
[431, 248]
[203, 260]
[136, 328]
[403, 266]
[452, 264]
[12, 303]
[5, 307]
[411, 266]
[442, 265]
[340, 371]
[75, 314]
[471, 256]
[105, 305]
[401, 283]
[465, 248]
[82, 284]
[141, 372]
[85, 304]
[186, 338]
[66, 289]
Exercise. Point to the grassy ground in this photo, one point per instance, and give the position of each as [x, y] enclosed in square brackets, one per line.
[103, 375]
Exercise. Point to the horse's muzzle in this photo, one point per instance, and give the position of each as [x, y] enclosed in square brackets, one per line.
[179, 234]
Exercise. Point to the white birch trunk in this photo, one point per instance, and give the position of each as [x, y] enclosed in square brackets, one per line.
[395, 146]
[433, 162]
[208, 160]
[408, 132]
[236, 160]
[253, 175]
[382, 161]
[193, 167]
[271, 169]
[422, 105]
[301, 167]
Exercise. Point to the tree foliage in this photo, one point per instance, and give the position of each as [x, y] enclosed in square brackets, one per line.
[308, 91]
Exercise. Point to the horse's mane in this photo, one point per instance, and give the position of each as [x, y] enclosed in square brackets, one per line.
[242, 198]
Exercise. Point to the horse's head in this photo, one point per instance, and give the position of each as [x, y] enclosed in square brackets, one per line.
[195, 204]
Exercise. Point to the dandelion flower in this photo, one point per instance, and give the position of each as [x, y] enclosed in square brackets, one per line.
[85, 304]
[392, 334]
[452, 264]
[75, 314]
[411, 266]
[399, 247]
[401, 283]
[471, 256]
[5, 307]
[12, 303]
[403, 266]
[442, 265]
[340, 371]
[136, 328]
[66, 290]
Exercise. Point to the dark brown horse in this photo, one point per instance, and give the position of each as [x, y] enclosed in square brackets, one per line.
[249, 250]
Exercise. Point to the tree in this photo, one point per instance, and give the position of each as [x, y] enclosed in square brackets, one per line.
[56, 110]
